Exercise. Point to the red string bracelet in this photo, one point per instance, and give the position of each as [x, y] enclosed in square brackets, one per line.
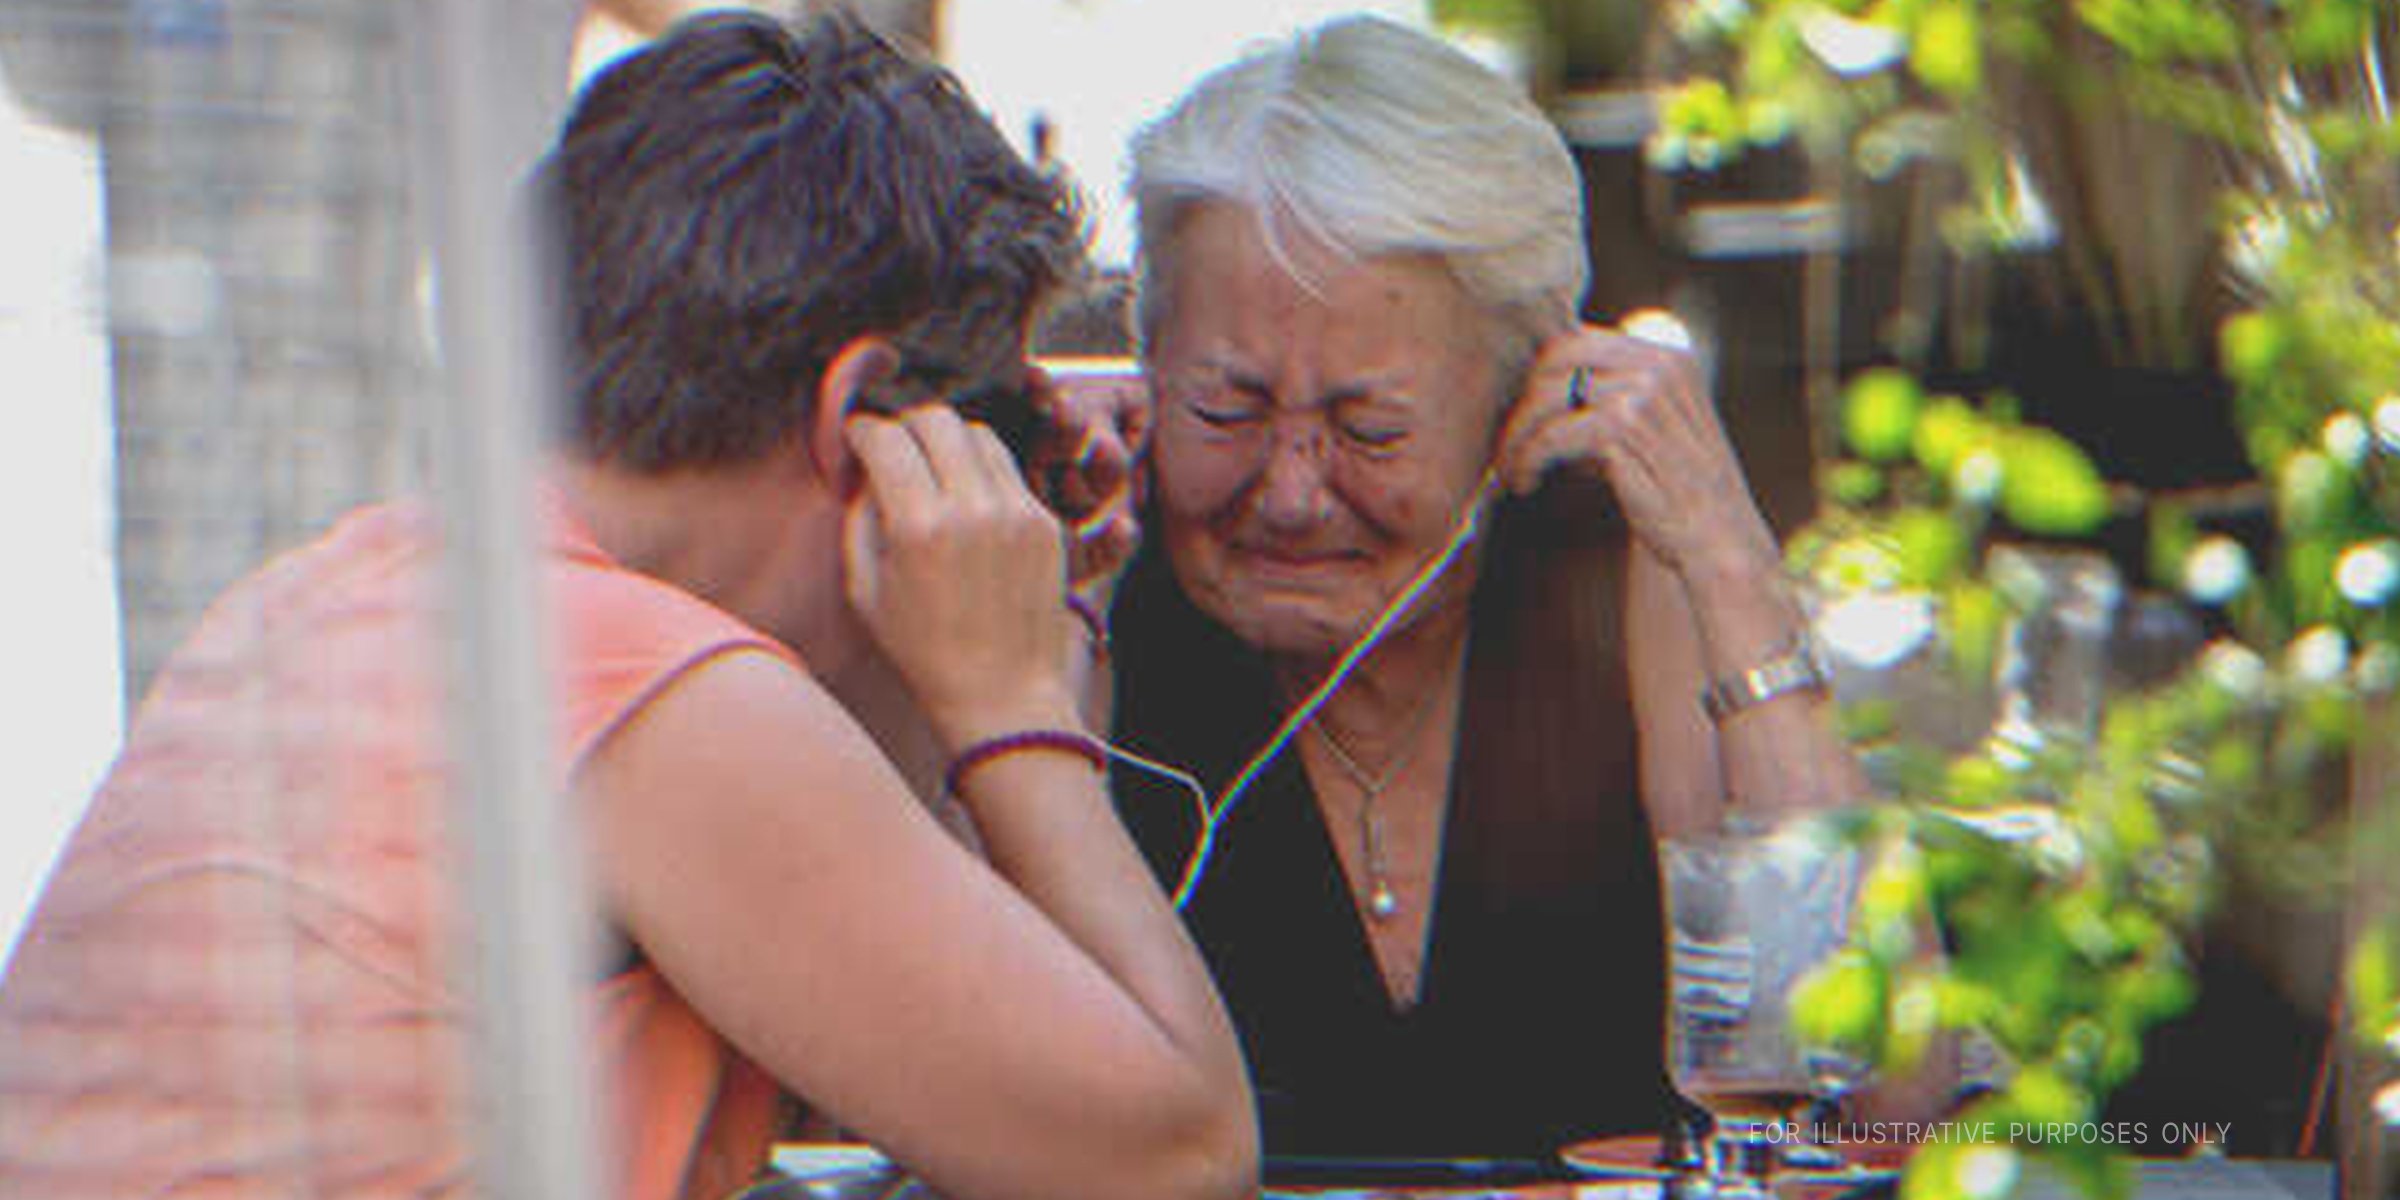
[1083, 745]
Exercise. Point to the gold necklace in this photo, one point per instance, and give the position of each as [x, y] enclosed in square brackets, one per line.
[1382, 902]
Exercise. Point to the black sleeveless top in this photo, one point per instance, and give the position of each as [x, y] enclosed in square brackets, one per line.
[1540, 1018]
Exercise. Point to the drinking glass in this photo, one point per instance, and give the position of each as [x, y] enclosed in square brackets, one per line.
[2054, 659]
[1749, 914]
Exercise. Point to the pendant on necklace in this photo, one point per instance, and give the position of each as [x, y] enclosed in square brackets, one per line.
[1381, 904]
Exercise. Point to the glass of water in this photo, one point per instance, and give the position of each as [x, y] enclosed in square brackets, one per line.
[1749, 914]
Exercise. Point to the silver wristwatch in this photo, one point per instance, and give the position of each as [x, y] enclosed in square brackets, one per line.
[1800, 666]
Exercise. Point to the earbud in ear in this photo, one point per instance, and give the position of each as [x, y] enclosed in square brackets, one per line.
[858, 380]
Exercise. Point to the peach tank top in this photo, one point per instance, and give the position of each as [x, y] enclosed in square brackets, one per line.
[238, 980]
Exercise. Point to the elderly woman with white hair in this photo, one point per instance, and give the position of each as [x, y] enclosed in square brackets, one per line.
[1436, 916]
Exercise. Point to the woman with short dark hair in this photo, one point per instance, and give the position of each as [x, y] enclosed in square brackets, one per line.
[788, 579]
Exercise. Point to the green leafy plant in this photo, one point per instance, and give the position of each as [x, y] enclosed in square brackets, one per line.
[2252, 221]
[2065, 872]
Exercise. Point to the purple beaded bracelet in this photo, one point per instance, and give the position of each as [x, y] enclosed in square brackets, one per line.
[1083, 745]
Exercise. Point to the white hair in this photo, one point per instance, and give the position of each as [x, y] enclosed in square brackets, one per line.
[1366, 138]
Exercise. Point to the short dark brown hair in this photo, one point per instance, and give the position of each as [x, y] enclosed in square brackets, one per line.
[733, 204]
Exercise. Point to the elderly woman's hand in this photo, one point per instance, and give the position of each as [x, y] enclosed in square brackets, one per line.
[1636, 412]
[957, 571]
[1086, 467]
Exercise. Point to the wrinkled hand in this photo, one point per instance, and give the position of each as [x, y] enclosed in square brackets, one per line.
[1648, 426]
[1088, 468]
[957, 571]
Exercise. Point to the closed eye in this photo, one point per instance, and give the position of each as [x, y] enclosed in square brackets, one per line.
[1227, 398]
[1224, 416]
[1227, 404]
[1375, 425]
[1373, 435]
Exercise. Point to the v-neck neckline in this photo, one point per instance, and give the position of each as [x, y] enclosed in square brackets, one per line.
[1338, 893]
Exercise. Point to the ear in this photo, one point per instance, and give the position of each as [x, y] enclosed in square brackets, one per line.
[861, 364]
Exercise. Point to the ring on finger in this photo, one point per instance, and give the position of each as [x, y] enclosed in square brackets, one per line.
[1578, 389]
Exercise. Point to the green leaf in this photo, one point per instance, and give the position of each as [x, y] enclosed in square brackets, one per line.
[1879, 414]
[1932, 1174]
[2172, 533]
[2151, 991]
[1891, 902]
[2312, 492]
[1945, 51]
[1972, 616]
[1946, 430]
[1494, 16]
[2234, 762]
[2044, 1097]
[1853, 483]
[1840, 1004]
[2250, 344]
[1930, 545]
[1702, 108]
[1975, 781]
[2164, 30]
[2049, 485]
[2308, 577]
[2327, 31]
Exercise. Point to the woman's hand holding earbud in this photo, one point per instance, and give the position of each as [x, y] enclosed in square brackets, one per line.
[958, 571]
[1638, 413]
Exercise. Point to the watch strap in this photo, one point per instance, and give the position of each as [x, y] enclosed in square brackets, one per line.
[1798, 667]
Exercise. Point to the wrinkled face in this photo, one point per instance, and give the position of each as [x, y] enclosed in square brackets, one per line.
[1314, 448]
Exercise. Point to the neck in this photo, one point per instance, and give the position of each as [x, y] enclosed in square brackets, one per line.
[1367, 713]
[745, 538]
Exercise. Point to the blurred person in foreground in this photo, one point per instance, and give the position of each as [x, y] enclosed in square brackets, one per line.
[1437, 916]
[769, 550]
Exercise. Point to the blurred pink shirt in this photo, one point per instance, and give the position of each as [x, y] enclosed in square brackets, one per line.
[239, 981]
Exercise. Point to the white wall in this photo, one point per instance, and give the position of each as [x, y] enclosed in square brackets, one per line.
[59, 706]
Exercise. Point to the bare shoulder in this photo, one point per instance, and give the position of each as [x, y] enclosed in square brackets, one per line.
[745, 701]
[742, 750]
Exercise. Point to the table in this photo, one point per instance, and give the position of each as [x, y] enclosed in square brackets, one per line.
[2220, 1179]
[849, 1172]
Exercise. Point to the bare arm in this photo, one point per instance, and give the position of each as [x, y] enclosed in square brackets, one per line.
[1778, 757]
[1054, 1038]
[1040, 1027]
